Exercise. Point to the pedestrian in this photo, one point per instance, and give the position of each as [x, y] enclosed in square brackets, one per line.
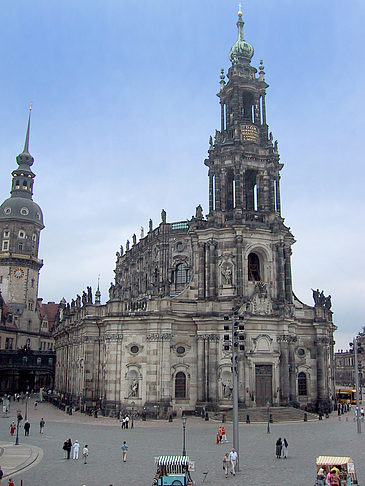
[85, 453]
[35, 404]
[26, 428]
[42, 423]
[68, 448]
[220, 433]
[233, 459]
[285, 448]
[278, 447]
[124, 451]
[123, 423]
[11, 482]
[226, 462]
[64, 447]
[1, 474]
[224, 434]
[218, 438]
[126, 421]
[76, 450]
[362, 412]
[334, 478]
[321, 478]
[12, 428]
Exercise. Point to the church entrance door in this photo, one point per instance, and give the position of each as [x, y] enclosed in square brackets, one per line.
[263, 384]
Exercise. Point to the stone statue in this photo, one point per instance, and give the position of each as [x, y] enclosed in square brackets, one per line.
[89, 295]
[134, 239]
[121, 250]
[78, 301]
[270, 137]
[127, 245]
[226, 272]
[134, 388]
[117, 254]
[150, 225]
[316, 297]
[111, 291]
[142, 233]
[73, 303]
[163, 216]
[328, 303]
[199, 212]
[276, 145]
[211, 141]
[84, 298]
[227, 390]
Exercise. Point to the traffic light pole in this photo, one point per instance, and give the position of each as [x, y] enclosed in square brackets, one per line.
[357, 385]
[236, 445]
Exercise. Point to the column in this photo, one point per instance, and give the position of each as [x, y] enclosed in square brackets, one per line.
[222, 116]
[280, 271]
[218, 203]
[263, 109]
[212, 269]
[213, 367]
[238, 190]
[292, 370]
[278, 203]
[201, 271]
[200, 368]
[284, 370]
[239, 269]
[287, 269]
[166, 392]
[211, 181]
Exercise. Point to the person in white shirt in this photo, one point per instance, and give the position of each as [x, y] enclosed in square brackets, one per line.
[85, 453]
[76, 450]
[233, 458]
[126, 419]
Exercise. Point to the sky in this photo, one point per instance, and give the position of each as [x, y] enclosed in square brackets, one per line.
[124, 101]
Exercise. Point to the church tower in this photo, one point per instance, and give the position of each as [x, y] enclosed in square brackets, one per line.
[21, 222]
[244, 174]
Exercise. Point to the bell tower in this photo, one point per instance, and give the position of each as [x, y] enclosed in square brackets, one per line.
[21, 221]
[243, 161]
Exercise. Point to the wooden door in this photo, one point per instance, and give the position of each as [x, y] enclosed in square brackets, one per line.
[263, 385]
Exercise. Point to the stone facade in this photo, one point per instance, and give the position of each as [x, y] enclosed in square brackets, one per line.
[27, 347]
[161, 340]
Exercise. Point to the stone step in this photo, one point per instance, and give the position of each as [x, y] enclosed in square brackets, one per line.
[260, 414]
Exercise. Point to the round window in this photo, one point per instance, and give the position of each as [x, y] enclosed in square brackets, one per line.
[24, 211]
[7, 210]
[301, 352]
[180, 350]
[134, 349]
[179, 246]
[21, 234]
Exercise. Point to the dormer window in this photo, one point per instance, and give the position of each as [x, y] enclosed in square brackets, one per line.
[24, 211]
[17, 184]
[25, 184]
[6, 233]
[21, 234]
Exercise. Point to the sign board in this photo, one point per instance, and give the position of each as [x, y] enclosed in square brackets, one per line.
[249, 133]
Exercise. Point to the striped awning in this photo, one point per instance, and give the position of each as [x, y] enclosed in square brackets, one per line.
[172, 460]
[332, 460]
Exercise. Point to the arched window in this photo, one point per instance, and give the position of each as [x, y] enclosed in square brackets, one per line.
[254, 267]
[302, 384]
[180, 385]
[181, 273]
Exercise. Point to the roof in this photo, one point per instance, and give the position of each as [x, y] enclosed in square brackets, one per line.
[50, 310]
[333, 460]
[172, 460]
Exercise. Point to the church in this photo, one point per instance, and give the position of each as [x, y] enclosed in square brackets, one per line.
[163, 340]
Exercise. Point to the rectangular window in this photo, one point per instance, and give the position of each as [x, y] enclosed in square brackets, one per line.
[32, 283]
[20, 246]
[6, 234]
[5, 245]
[9, 343]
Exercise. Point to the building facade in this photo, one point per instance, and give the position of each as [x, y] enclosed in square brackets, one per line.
[27, 357]
[161, 340]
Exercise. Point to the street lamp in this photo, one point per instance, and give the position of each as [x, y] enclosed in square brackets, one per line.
[184, 431]
[132, 424]
[268, 417]
[19, 418]
[354, 344]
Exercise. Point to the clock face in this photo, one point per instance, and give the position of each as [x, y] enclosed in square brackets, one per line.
[18, 272]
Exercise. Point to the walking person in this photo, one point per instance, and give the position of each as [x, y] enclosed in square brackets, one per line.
[226, 463]
[285, 448]
[278, 447]
[126, 420]
[11, 482]
[224, 434]
[233, 456]
[220, 434]
[12, 428]
[124, 451]
[85, 453]
[321, 478]
[64, 447]
[42, 423]
[68, 448]
[76, 450]
[26, 428]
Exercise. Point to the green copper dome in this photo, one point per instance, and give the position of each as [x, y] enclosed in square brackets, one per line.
[241, 50]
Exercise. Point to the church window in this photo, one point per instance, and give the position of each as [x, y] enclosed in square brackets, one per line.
[134, 349]
[25, 184]
[253, 267]
[180, 350]
[21, 234]
[24, 211]
[180, 385]
[7, 210]
[301, 352]
[255, 198]
[39, 361]
[32, 283]
[50, 361]
[179, 246]
[181, 273]
[6, 234]
[25, 360]
[226, 337]
[34, 237]
[20, 246]
[5, 245]
[302, 384]
[9, 343]
[17, 183]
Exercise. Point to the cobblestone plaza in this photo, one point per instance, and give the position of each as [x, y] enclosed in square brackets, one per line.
[259, 465]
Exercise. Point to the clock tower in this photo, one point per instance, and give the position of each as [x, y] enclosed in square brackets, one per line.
[21, 222]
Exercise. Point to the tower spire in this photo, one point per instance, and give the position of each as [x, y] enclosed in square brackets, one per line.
[26, 143]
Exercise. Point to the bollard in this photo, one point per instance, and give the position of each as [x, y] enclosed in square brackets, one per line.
[223, 418]
[248, 419]
[206, 416]
[305, 417]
